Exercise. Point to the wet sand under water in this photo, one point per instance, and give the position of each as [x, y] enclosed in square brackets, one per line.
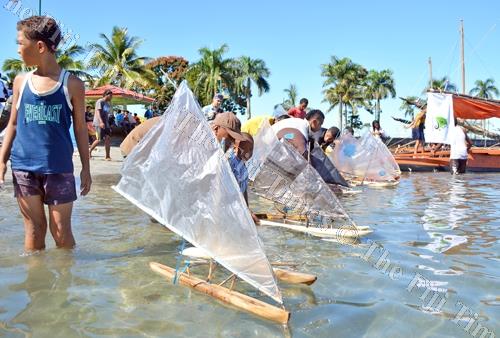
[440, 234]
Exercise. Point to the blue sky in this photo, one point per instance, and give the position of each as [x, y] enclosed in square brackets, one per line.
[294, 38]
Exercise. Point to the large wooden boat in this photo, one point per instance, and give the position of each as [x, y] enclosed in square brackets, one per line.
[464, 107]
[479, 160]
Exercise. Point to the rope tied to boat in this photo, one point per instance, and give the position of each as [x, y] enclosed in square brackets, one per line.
[180, 248]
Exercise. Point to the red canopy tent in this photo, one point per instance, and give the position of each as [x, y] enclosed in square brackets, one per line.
[120, 95]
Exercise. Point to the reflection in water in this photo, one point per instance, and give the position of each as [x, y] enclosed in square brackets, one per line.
[445, 212]
[46, 287]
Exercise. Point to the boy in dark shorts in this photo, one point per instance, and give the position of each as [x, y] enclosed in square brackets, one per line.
[37, 141]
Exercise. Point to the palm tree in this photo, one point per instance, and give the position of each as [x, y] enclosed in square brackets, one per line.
[442, 84]
[12, 67]
[117, 60]
[66, 59]
[485, 89]
[292, 94]
[211, 73]
[408, 105]
[378, 87]
[250, 71]
[342, 75]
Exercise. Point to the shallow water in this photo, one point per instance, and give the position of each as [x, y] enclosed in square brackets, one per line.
[441, 235]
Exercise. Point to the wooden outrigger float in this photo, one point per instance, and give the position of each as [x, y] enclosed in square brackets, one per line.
[229, 295]
[225, 295]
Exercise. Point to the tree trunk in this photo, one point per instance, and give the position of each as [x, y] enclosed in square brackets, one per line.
[377, 109]
[249, 94]
[340, 116]
[345, 115]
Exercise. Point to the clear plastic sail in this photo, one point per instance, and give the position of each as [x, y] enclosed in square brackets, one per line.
[178, 174]
[366, 160]
[279, 173]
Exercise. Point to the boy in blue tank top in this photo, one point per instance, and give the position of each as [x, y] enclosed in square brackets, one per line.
[37, 140]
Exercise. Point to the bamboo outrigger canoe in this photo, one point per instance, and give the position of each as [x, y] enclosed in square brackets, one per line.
[178, 174]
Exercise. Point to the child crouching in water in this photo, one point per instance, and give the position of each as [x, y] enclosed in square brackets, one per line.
[38, 141]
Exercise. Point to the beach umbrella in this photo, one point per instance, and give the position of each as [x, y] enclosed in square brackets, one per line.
[121, 96]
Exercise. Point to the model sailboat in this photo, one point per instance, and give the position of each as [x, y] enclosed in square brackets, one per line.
[178, 174]
[365, 161]
[280, 174]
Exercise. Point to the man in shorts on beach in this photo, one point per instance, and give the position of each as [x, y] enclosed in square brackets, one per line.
[47, 101]
[101, 122]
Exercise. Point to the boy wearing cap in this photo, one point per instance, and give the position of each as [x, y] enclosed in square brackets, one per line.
[227, 130]
[214, 108]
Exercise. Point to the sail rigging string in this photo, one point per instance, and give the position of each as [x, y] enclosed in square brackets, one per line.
[180, 248]
[488, 72]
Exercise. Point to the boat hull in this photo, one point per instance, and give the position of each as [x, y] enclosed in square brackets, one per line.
[479, 160]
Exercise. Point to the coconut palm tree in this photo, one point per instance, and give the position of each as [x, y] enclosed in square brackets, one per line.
[12, 67]
[65, 58]
[442, 84]
[211, 73]
[117, 61]
[250, 71]
[292, 94]
[408, 105]
[379, 86]
[485, 89]
[342, 76]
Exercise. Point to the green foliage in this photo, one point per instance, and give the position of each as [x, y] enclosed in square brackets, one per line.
[215, 73]
[247, 71]
[408, 106]
[117, 63]
[211, 73]
[292, 95]
[379, 85]
[345, 86]
[485, 89]
[442, 84]
[67, 59]
[173, 67]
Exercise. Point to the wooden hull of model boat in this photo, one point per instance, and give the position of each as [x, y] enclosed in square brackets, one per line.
[480, 160]
[231, 297]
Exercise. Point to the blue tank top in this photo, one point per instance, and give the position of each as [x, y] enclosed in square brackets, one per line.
[43, 142]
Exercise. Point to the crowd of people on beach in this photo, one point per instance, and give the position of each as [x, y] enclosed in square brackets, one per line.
[46, 102]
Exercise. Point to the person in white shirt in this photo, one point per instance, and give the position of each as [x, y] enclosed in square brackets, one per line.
[460, 145]
[377, 131]
[214, 108]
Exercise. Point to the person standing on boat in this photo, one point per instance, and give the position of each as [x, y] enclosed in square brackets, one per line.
[417, 130]
[47, 101]
[460, 145]
[214, 108]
